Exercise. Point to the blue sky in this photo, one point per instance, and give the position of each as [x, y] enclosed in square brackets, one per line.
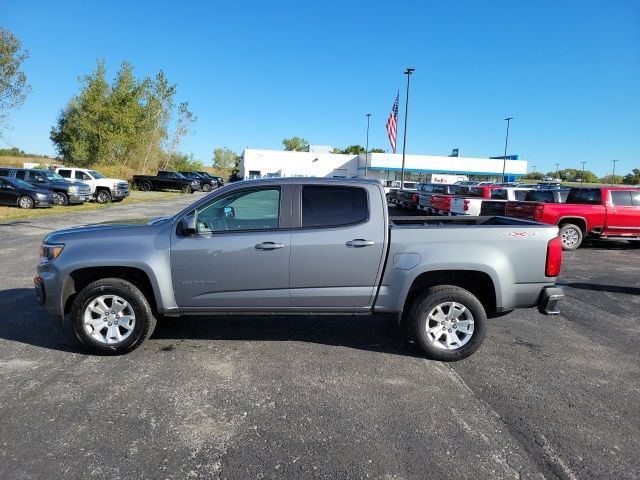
[256, 72]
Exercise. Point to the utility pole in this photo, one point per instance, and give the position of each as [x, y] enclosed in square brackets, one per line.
[614, 171]
[366, 151]
[408, 73]
[582, 176]
[506, 143]
[534, 168]
[557, 165]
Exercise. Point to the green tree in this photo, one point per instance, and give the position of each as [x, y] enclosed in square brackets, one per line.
[185, 163]
[354, 150]
[225, 161]
[376, 150]
[13, 82]
[611, 179]
[533, 176]
[125, 124]
[632, 178]
[295, 144]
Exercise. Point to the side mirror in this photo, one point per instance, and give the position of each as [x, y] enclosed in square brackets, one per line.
[187, 225]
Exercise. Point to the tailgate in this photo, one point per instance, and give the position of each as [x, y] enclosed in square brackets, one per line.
[457, 205]
[523, 209]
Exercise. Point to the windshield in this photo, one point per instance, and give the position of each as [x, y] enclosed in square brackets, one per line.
[96, 175]
[52, 176]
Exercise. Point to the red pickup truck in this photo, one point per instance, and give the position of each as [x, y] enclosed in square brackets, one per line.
[600, 212]
[442, 203]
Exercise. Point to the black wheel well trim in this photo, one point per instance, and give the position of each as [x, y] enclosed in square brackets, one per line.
[477, 282]
[81, 277]
[578, 221]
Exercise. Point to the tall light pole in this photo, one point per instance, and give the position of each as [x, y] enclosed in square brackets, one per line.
[534, 168]
[557, 165]
[366, 151]
[614, 171]
[408, 73]
[506, 143]
[582, 176]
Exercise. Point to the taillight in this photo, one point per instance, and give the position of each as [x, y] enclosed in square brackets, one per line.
[554, 257]
[414, 198]
[466, 205]
[537, 215]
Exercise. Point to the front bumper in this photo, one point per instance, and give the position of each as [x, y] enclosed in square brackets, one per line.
[41, 295]
[549, 298]
[119, 193]
[79, 197]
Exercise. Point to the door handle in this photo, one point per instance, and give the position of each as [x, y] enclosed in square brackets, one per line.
[269, 246]
[359, 243]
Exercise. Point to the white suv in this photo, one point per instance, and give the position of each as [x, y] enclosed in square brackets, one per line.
[103, 189]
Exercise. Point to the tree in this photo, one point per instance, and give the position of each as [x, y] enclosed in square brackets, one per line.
[13, 82]
[632, 178]
[611, 179]
[125, 123]
[376, 150]
[533, 176]
[185, 163]
[225, 161]
[295, 144]
[354, 150]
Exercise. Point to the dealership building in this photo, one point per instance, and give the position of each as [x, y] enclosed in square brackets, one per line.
[319, 162]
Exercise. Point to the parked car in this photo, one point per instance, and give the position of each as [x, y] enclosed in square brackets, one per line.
[207, 184]
[218, 179]
[67, 193]
[472, 203]
[394, 185]
[299, 245]
[103, 189]
[166, 180]
[597, 212]
[431, 189]
[16, 193]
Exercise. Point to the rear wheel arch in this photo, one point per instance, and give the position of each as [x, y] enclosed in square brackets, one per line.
[480, 284]
[577, 221]
[80, 278]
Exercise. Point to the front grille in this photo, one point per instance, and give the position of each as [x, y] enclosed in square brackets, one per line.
[122, 185]
[84, 191]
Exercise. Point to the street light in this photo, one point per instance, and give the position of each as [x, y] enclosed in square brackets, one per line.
[408, 73]
[506, 142]
[614, 171]
[366, 151]
[582, 176]
[557, 165]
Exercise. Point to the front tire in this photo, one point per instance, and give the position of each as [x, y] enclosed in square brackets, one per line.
[26, 202]
[112, 316]
[448, 323]
[571, 236]
[63, 199]
[206, 187]
[103, 196]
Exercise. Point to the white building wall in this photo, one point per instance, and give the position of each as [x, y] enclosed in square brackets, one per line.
[313, 164]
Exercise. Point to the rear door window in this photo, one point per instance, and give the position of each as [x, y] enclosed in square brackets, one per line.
[328, 206]
[590, 196]
[21, 174]
[621, 198]
[64, 173]
[476, 192]
[4, 172]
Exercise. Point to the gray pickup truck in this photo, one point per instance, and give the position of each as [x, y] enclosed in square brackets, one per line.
[321, 246]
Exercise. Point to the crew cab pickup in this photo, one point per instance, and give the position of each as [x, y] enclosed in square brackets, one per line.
[428, 189]
[470, 203]
[67, 193]
[299, 245]
[499, 198]
[166, 180]
[601, 212]
[103, 189]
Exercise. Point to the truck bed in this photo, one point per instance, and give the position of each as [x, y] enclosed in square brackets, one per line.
[438, 221]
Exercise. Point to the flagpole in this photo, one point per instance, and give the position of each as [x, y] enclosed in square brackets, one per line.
[408, 73]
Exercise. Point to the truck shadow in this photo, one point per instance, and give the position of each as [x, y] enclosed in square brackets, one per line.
[25, 321]
[594, 287]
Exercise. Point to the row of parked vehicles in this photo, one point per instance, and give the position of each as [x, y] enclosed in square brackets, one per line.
[611, 212]
[38, 188]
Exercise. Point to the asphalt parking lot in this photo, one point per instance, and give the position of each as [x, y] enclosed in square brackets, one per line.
[323, 397]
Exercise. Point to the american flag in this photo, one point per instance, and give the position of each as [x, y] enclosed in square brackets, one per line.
[392, 124]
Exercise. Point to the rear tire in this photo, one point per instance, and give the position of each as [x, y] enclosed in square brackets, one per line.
[571, 236]
[103, 196]
[95, 320]
[186, 189]
[26, 202]
[146, 186]
[447, 322]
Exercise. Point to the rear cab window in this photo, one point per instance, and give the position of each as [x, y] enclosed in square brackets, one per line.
[621, 198]
[499, 194]
[329, 206]
[588, 196]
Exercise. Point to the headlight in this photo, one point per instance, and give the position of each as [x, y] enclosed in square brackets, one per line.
[41, 196]
[195, 182]
[72, 189]
[50, 252]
